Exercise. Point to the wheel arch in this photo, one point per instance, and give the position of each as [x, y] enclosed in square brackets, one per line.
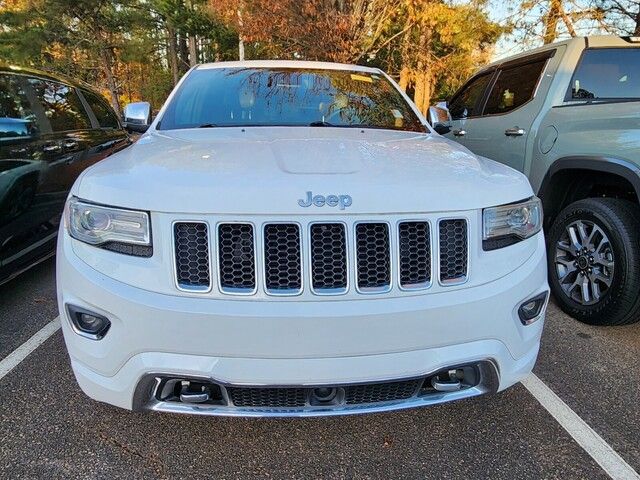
[576, 177]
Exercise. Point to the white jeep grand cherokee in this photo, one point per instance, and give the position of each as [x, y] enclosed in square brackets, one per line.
[292, 239]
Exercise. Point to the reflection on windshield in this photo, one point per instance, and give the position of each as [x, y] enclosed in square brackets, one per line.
[222, 97]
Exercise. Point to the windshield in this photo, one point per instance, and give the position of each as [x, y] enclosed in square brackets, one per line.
[226, 97]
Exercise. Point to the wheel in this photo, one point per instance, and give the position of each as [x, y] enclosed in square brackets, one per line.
[594, 261]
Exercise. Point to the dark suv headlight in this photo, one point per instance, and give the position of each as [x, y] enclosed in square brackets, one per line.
[120, 230]
[508, 224]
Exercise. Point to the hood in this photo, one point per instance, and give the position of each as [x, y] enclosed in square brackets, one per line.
[268, 170]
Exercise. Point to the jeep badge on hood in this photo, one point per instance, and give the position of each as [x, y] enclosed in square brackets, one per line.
[342, 201]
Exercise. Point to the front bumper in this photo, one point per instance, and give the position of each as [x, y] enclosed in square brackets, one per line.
[249, 343]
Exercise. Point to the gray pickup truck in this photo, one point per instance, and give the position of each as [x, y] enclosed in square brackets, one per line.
[568, 116]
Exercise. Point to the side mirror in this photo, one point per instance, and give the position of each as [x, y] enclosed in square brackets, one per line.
[440, 118]
[137, 116]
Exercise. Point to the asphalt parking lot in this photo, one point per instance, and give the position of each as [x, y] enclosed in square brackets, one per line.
[49, 429]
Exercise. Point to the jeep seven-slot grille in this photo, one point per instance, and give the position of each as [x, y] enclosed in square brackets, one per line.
[336, 254]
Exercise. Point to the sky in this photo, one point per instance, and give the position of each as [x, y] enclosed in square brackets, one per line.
[502, 11]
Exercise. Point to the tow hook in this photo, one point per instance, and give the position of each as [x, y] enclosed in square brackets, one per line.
[449, 384]
[190, 395]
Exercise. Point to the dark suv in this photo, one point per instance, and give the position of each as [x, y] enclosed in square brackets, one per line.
[51, 129]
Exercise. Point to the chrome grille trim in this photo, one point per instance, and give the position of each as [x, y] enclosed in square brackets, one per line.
[260, 285]
[205, 263]
[359, 261]
[226, 285]
[446, 276]
[265, 261]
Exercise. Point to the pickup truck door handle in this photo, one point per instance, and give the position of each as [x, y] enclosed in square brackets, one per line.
[514, 132]
[459, 132]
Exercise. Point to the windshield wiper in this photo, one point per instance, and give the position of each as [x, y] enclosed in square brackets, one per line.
[321, 123]
[207, 125]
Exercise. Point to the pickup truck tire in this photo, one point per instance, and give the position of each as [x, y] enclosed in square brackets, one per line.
[594, 261]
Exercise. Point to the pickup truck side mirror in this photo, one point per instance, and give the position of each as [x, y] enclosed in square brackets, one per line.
[137, 116]
[439, 118]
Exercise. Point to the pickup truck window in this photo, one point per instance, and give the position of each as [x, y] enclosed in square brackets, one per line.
[227, 97]
[514, 87]
[464, 104]
[607, 73]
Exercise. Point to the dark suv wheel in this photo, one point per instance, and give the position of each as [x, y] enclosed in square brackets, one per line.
[594, 261]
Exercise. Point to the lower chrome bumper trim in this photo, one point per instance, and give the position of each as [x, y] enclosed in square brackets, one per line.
[146, 399]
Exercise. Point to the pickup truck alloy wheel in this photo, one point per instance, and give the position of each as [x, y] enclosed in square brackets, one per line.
[584, 262]
[594, 261]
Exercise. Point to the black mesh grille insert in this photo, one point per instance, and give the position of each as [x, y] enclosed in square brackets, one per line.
[192, 255]
[328, 256]
[415, 253]
[267, 397]
[453, 249]
[237, 260]
[373, 256]
[381, 392]
[282, 257]
[296, 397]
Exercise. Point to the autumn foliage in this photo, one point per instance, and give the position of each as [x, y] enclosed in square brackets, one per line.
[424, 43]
[139, 48]
[316, 29]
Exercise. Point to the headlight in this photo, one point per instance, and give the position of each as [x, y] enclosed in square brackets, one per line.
[123, 231]
[509, 224]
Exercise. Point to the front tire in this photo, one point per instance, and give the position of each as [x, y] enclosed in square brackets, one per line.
[594, 261]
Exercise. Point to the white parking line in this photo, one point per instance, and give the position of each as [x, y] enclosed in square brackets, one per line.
[19, 354]
[592, 443]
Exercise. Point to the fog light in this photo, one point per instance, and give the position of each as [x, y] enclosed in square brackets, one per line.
[88, 324]
[530, 309]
